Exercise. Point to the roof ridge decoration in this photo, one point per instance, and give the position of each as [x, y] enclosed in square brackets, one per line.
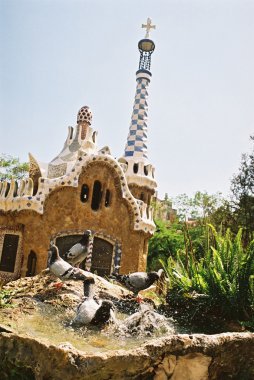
[142, 214]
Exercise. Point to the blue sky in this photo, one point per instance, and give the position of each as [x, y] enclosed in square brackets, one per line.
[58, 55]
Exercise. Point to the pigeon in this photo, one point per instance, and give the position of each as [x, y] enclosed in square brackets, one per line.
[81, 250]
[137, 281]
[64, 270]
[144, 322]
[93, 311]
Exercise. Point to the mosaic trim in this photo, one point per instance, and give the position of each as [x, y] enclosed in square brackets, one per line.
[26, 201]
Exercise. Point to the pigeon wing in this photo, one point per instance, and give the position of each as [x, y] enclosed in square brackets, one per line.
[59, 267]
[138, 280]
[75, 251]
[80, 274]
[86, 312]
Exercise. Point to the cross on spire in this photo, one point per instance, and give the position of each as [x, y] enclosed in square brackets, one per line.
[148, 26]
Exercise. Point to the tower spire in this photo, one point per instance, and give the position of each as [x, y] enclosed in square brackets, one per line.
[136, 145]
[139, 172]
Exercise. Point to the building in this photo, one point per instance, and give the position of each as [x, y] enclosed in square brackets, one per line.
[84, 187]
[163, 209]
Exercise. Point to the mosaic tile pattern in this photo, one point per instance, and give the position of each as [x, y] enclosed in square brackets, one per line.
[136, 141]
[25, 199]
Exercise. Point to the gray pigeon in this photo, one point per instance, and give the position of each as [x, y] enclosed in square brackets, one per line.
[81, 250]
[64, 270]
[93, 311]
[138, 280]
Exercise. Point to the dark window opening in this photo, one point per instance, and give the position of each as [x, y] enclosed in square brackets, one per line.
[107, 198]
[84, 193]
[102, 257]
[7, 189]
[64, 243]
[97, 194]
[15, 192]
[94, 137]
[9, 253]
[31, 264]
[142, 196]
[147, 212]
[135, 168]
[146, 170]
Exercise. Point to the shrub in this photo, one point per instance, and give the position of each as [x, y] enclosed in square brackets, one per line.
[225, 273]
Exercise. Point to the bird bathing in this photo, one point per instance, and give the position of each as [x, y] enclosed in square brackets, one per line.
[37, 340]
[44, 312]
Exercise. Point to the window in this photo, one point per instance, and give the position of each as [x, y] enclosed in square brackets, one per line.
[142, 196]
[135, 168]
[31, 264]
[146, 170]
[97, 193]
[102, 257]
[9, 253]
[84, 193]
[107, 198]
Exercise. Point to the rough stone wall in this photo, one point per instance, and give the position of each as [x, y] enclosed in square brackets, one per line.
[179, 357]
[64, 211]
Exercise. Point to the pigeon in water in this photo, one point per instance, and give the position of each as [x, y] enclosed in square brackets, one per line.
[137, 281]
[64, 270]
[81, 250]
[93, 311]
[145, 322]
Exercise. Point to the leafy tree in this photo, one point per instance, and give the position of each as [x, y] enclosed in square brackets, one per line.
[242, 187]
[199, 207]
[223, 217]
[164, 243]
[12, 168]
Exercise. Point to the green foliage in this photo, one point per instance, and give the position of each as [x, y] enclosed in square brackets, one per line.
[5, 298]
[164, 243]
[199, 207]
[12, 168]
[225, 273]
[242, 187]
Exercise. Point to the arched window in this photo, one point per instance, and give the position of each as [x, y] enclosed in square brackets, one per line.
[31, 264]
[84, 193]
[97, 193]
[135, 168]
[107, 198]
[146, 170]
[142, 196]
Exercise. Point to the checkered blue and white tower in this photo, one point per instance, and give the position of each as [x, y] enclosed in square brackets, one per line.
[138, 169]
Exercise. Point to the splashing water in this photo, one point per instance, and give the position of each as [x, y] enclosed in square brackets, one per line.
[53, 326]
